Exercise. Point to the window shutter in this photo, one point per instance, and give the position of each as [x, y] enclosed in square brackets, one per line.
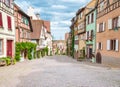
[109, 23]
[90, 33]
[9, 22]
[90, 19]
[97, 46]
[103, 26]
[119, 21]
[97, 27]
[117, 46]
[1, 24]
[108, 44]
[86, 35]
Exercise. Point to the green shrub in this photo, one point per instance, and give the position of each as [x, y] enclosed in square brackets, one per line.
[8, 61]
[14, 61]
[38, 54]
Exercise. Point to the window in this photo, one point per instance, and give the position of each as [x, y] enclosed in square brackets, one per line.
[75, 28]
[1, 43]
[113, 45]
[7, 2]
[101, 6]
[9, 23]
[91, 33]
[76, 37]
[1, 23]
[115, 23]
[80, 16]
[87, 35]
[88, 20]
[92, 18]
[99, 46]
[101, 27]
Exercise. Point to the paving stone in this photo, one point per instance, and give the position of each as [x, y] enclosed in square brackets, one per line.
[58, 71]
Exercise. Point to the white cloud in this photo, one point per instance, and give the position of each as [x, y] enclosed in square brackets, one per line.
[58, 6]
[59, 12]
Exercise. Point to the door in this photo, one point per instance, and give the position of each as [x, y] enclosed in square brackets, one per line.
[89, 52]
[9, 48]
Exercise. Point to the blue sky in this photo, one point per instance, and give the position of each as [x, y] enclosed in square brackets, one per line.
[59, 12]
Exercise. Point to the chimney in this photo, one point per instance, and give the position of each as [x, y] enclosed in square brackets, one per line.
[38, 16]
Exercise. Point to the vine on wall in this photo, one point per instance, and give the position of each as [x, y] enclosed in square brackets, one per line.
[25, 46]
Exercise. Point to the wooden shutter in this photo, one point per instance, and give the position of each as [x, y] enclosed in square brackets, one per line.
[90, 19]
[86, 35]
[109, 23]
[117, 46]
[103, 29]
[1, 24]
[90, 33]
[9, 22]
[97, 46]
[119, 21]
[108, 44]
[97, 27]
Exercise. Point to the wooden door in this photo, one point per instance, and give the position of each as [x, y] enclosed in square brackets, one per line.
[9, 48]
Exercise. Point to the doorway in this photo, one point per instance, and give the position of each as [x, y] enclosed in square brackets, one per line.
[9, 48]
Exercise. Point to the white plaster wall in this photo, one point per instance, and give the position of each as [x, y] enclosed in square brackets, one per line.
[7, 35]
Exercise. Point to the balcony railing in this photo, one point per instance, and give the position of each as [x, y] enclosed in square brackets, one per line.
[109, 8]
[6, 8]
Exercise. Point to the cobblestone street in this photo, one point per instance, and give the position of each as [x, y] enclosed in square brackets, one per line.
[58, 71]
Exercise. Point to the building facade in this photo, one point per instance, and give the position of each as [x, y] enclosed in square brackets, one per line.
[75, 35]
[59, 47]
[38, 34]
[7, 29]
[108, 32]
[91, 30]
[48, 36]
[91, 34]
[81, 32]
[22, 24]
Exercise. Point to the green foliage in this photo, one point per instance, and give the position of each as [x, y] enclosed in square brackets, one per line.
[22, 46]
[38, 54]
[7, 59]
[44, 52]
[14, 61]
[73, 40]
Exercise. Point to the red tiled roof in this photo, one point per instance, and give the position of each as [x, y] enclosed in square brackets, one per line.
[47, 25]
[37, 26]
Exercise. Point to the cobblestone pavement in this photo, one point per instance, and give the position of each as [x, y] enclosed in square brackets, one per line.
[58, 71]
